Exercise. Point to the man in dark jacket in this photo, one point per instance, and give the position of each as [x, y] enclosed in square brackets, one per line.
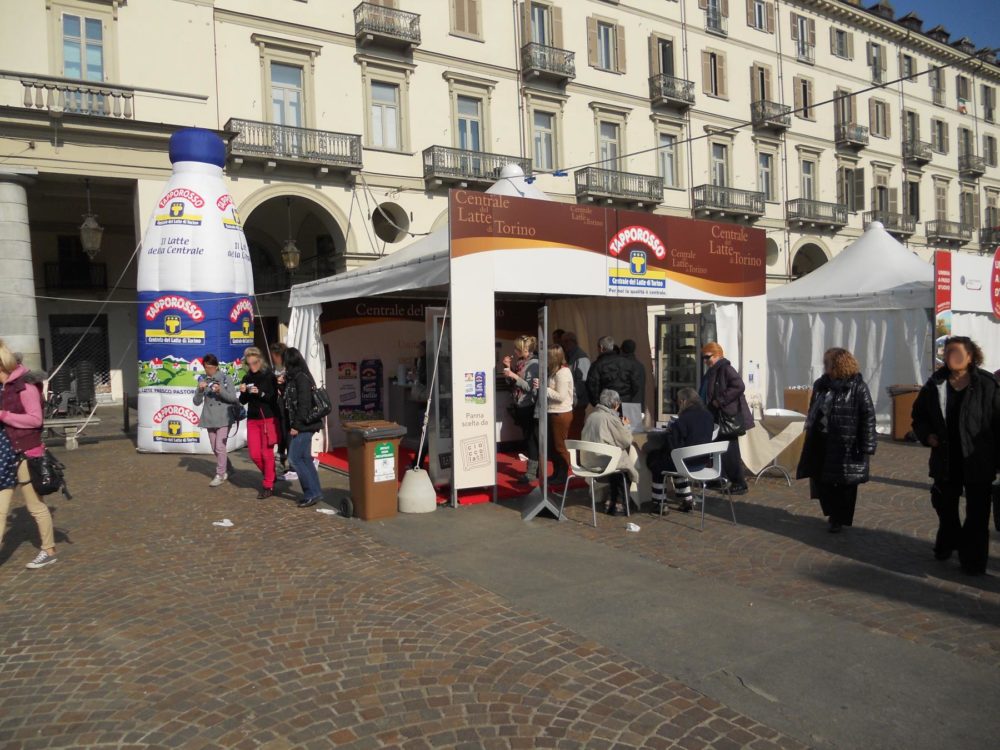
[611, 371]
[637, 375]
[957, 414]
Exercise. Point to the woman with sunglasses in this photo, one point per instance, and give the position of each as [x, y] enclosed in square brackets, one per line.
[722, 390]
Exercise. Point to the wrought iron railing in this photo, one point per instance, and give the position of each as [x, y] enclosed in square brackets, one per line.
[596, 182]
[915, 150]
[803, 209]
[267, 140]
[378, 20]
[971, 164]
[59, 95]
[540, 58]
[954, 231]
[727, 199]
[669, 89]
[76, 276]
[989, 237]
[851, 134]
[893, 222]
[765, 114]
[442, 162]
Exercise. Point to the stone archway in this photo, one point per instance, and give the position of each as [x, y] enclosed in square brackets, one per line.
[807, 258]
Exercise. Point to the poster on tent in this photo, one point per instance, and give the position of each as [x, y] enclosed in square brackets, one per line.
[966, 294]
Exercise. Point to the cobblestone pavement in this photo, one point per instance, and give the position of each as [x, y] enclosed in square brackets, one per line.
[880, 573]
[295, 629]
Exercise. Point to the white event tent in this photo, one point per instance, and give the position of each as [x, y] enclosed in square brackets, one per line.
[875, 299]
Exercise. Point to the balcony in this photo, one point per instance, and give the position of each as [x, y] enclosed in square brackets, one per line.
[803, 212]
[76, 276]
[60, 96]
[455, 165]
[917, 152]
[770, 115]
[610, 186]
[898, 224]
[805, 52]
[667, 91]
[715, 22]
[377, 24]
[989, 239]
[948, 232]
[970, 165]
[271, 144]
[542, 61]
[726, 201]
[851, 135]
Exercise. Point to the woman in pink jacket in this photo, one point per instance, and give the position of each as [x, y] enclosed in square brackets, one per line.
[21, 437]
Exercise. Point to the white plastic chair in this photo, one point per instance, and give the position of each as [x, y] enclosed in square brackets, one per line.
[613, 454]
[712, 473]
[678, 475]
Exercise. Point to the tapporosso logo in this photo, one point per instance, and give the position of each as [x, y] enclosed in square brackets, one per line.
[637, 241]
[177, 209]
[172, 330]
[226, 202]
[242, 315]
[176, 424]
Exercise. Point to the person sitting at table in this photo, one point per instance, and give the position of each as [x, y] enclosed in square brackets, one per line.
[605, 425]
[694, 425]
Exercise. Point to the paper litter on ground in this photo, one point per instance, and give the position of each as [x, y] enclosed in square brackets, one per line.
[631, 527]
[224, 523]
[327, 511]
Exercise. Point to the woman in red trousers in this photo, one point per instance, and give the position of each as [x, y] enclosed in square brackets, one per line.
[259, 392]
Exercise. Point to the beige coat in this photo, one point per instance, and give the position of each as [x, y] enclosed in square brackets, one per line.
[605, 426]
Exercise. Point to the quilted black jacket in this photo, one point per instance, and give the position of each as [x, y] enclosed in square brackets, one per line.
[850, 438]
[979, 425]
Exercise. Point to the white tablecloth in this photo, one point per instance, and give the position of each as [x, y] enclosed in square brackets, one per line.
[778, 439]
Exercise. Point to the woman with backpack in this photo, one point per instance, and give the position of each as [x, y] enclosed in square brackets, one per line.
[302, 425]
[521, 371]
[21, 419]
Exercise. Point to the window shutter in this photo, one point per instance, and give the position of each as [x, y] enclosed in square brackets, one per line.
[766, 93]
[833, 40]
[945, 142]
[526, 22]
[654, 56]
[620, 47]
[811, 100]
[893, 200]
[793, 19]
[703, 4]
[859, 189]
[906, 199]
[472, 16]
[884, 61]
[975, 210]
[769, 14]
[458, 15]
[840, 186]
[888, 119]
[868, 48]
[872, 117]
[706, 72]
[850, 45]
[797, 96]
[812, 32]
[751, 18]
[755, 88]
[592, 58]
[723, 84]
[725, 8]
[557, 27]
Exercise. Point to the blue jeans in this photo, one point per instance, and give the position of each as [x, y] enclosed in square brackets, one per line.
[300, 457]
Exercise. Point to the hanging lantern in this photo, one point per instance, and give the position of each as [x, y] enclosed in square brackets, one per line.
[290, 254]
[90, 231]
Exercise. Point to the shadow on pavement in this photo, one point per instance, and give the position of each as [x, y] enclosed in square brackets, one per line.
[21, 529]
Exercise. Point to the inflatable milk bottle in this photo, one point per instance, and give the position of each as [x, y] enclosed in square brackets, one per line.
[195, 288]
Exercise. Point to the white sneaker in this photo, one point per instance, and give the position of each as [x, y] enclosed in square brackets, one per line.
[218, 480]
[42, 559]
[290, 476]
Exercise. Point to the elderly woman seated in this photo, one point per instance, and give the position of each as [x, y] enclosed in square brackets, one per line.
[605, 425]
[694, 425]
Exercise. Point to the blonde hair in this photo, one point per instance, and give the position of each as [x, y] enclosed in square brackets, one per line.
[8, 362]
[557, 358]
[526, 344]
[253, 351]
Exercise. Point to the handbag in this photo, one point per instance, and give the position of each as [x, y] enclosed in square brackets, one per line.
[321, 405]
[47, 475]
[731, 426]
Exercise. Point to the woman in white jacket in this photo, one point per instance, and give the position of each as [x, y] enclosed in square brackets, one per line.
[560, 409]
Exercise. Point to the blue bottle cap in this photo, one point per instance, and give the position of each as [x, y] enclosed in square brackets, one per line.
[197, 144]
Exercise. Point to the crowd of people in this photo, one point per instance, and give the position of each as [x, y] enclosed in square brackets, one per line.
[275, 397]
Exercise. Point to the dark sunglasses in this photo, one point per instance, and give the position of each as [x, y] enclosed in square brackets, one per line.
[706, 356]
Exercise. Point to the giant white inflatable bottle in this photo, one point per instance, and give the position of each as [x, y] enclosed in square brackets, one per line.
[195, 292]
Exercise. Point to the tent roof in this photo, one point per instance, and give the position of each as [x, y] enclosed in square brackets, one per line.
[423, 264]
[875, 272]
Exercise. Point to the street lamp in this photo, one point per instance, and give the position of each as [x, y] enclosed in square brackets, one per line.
[290, 254]
[90, 231]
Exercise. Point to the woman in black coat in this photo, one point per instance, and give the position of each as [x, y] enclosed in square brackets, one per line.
[957, 414]
[840, 437]
[723, 391]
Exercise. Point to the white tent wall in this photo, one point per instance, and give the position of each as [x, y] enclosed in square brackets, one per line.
[304, 335]
[893, 347]
[984, 330]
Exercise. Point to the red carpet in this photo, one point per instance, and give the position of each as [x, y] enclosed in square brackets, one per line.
[508, 469]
